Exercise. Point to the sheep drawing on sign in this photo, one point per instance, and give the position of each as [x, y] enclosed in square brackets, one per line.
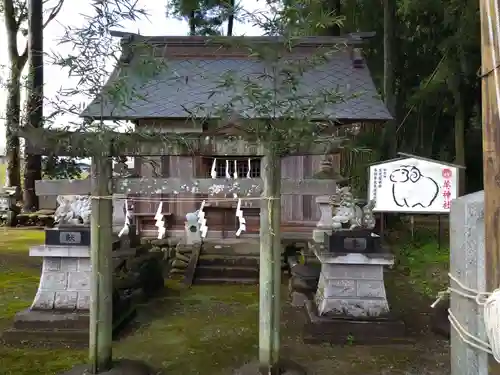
[411, 189]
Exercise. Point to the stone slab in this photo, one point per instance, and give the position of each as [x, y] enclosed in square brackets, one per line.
[385, 259]
[32, 319]
[57, 329]
[353, 271]
[343, 330]
[120, 367]
[284, 367]
[352, 307]
[60, 251]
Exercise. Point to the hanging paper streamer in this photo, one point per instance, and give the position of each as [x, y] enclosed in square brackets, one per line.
[235, 174]
[126, 226]
[213, 172]
[249, 167]
[228, 175]
[241, 219]
[202, 221]
[160, 223]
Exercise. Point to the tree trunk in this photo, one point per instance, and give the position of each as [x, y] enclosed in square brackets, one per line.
[13, 17]
[270, 265]
[390, 137]
[230, 21]
[192, 23]
[34, 105]
[12, 114]
[460, 140]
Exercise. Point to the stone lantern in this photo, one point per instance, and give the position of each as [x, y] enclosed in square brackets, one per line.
[325, 222]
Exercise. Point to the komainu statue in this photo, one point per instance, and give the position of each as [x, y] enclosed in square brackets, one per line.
[73, 210]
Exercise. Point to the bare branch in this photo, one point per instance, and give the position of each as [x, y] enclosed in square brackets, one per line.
[53, 12]
[22, 12]
[9, 13]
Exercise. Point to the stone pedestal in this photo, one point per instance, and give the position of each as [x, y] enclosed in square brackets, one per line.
[65, 279]
[352, 284]
[61, 307]
[350, 305]
[325, 222]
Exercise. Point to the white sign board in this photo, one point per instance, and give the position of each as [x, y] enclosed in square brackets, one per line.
[413, 185]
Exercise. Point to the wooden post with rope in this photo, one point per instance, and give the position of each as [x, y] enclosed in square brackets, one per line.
[490, 76]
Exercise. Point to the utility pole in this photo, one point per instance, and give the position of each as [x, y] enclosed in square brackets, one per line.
[490, 76]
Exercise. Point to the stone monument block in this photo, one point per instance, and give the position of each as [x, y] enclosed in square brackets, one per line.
[467, 264]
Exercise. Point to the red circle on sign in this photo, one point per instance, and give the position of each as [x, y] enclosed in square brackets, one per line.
[447, 173]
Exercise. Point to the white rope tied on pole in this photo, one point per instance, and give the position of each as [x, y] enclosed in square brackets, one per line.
[126, 226]
[490, 302]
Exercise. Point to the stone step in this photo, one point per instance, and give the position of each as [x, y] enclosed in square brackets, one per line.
[47, 337]
[225, 280]
[228, 260]
[243, 249]
[225, 271]
[36, 320]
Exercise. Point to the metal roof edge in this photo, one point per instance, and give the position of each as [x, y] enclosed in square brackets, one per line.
[197, 41]
[404, 155]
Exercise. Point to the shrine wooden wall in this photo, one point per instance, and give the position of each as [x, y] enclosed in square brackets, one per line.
[295, 208]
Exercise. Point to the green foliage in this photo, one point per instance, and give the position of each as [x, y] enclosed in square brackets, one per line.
[423, 258]
[54, 168]
[205, 17]
[437, 56]
[291, 18]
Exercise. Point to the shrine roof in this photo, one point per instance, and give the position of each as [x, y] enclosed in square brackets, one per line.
[188, 86]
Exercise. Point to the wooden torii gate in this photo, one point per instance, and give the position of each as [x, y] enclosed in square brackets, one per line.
[102, 185]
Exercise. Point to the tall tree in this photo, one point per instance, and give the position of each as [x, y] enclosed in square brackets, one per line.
[434, 65]
[15, 16]
[34, 105]
[230, 19]
[205, 17]
[390, 139]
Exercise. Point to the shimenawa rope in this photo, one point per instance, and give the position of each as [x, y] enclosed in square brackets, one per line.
[490, 302]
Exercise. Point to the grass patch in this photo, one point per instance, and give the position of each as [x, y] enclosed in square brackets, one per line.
[3, 172]
[201, 330]
[19, 241]
[423, 260]
[20, 274]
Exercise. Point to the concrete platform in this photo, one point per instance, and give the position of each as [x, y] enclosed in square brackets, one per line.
[57, 328]
[350, 331]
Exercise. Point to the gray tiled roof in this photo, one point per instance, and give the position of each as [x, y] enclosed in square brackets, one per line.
[188, 85]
